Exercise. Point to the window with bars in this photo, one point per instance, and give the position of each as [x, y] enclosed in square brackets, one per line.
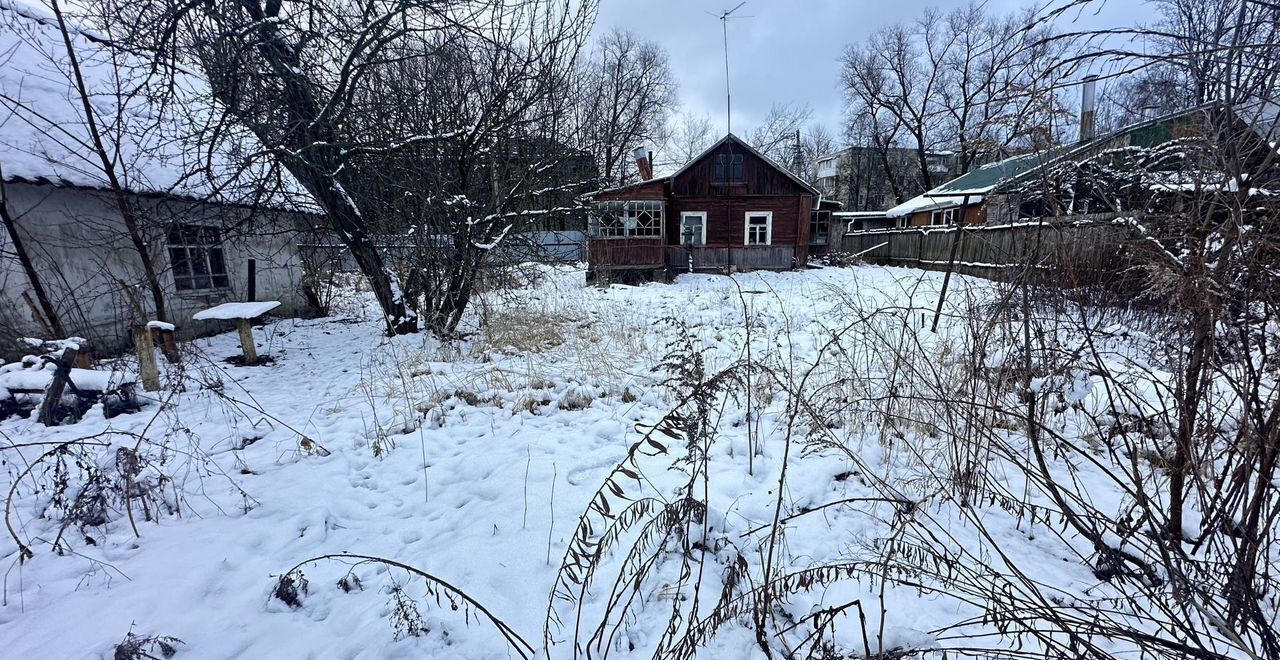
[728, 168]
[640, 219]
[759, 230]
[195, 256]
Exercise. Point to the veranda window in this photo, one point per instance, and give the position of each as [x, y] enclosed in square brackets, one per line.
[195, 255]
[944, 217]
[640, 219]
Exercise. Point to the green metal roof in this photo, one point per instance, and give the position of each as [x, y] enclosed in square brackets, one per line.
[988, 176]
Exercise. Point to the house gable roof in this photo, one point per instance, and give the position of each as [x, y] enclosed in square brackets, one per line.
[730, 137]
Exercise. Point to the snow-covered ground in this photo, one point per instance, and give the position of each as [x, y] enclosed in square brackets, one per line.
[473, 461]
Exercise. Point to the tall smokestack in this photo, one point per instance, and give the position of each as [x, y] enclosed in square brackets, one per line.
[1088, 107]
[643, 163]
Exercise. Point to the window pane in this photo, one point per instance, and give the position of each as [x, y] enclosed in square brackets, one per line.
[178, 260]
[209, 236]
[221, 281]
[199, 265]
[216, 265]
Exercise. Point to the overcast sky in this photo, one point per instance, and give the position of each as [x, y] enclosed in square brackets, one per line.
[787, 51]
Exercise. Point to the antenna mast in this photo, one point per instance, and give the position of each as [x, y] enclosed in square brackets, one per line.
[724, 29]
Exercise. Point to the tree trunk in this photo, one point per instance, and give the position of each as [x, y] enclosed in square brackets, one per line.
[346, 219]
[53, 395]
[120, 195]
[148, 370]
[46, 305]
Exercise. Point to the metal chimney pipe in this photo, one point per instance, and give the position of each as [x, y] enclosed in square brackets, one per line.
[1088, 107]
[643, 163]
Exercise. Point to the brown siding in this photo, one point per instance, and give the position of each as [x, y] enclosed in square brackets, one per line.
[974, 214]
[625, 252]
[726, 218]
[758, 177]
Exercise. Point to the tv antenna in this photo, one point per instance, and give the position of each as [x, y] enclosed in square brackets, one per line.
[724, 17]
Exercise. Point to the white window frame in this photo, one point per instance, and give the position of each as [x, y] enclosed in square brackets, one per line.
[768, 228]
[702, 240]
[625, 221]
[948, 217]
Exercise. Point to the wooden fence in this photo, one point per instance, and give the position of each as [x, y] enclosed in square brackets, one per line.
[1084, 250]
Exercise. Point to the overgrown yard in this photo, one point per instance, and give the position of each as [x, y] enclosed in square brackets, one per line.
[788, 464]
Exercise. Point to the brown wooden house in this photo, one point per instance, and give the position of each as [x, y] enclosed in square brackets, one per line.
[729, 209]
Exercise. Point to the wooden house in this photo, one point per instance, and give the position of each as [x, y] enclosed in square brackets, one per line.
[729, 209]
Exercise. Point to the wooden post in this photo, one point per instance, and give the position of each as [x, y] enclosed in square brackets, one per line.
[53, 395]
[246, 341]
[168, 344]
[252, 281]
[951, 263]
[147, 368]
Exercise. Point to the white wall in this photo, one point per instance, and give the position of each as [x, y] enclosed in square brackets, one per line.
[87, 263]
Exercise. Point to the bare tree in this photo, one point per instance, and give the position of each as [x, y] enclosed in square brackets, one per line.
[967, 80]
[506, 161]
[295, 74]
[775, 135]
[628, 95]
[683, 138]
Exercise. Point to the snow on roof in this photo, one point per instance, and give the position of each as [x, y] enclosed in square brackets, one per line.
[858, 214]
[926, 203]
[159, 147]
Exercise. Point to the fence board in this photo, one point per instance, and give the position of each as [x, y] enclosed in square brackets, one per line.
[1087, 249]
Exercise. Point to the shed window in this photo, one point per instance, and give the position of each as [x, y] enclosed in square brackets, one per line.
[195, 255]
[759, 229]
[728, 168]
[618, 219]
[819, 228]
[943, 217]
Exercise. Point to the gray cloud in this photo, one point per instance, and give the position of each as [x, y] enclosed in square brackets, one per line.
[787, 51]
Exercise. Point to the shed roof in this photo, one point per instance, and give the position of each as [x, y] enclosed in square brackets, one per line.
[170, 148]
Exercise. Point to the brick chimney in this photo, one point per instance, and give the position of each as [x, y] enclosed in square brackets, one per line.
[643, 163]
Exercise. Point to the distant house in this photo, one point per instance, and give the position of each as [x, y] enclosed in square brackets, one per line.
[730, 208]
[216, 229]
[865, 178]
[994, 193]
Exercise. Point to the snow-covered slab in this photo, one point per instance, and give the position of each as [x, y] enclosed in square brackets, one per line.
[240, 310]
[161, 325]
[83, 379]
